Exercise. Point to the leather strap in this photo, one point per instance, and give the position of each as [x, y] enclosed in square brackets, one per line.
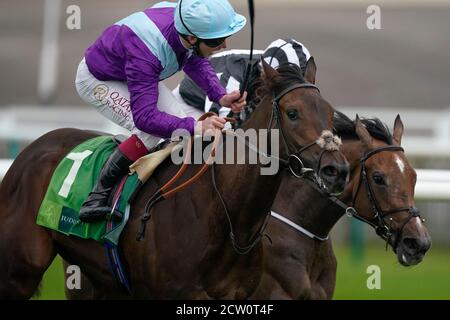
[164, 192]
[168, 193]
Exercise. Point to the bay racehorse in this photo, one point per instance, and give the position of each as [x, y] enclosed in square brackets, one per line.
[187, 252]
[301, 264]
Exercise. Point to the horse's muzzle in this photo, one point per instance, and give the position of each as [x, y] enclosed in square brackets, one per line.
[335, 177]
[411, 250]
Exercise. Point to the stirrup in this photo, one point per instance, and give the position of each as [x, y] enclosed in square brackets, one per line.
[89, 217]
[115, 215]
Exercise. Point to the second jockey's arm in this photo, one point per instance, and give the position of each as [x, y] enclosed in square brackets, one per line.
[234, 101]
[203, 74]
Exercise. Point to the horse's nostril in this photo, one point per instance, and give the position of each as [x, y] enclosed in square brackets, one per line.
[416, 246]
[330, 171]
[411, 244]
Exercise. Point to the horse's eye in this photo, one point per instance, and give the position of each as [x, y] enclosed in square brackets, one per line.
[378, 178]
[292, 114]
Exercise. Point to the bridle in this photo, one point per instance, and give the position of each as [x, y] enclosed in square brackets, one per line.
[378, 221]
[294, 157]
[379, 215]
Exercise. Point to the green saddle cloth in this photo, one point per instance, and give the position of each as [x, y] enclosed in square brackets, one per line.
[70, 185]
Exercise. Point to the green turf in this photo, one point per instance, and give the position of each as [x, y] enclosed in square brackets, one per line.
[428, 280]
[52, 286]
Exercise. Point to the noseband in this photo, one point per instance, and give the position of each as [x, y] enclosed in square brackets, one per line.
[379, 215]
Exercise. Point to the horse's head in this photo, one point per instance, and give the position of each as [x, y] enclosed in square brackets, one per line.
[382, 189]
[305, 120]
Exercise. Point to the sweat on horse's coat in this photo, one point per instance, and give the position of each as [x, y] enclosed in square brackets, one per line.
[329, 141]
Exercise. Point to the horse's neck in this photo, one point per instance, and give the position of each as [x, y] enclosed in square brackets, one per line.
[248, 193]
[354, 151]
[260, 117]
[314, 212]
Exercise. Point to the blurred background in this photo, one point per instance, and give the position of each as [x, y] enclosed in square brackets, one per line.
[402, 68]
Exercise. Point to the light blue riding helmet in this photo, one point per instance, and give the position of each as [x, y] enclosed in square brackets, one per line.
[207, 19]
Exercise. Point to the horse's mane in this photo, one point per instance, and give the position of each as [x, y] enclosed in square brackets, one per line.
[255, 81]
[345, 128]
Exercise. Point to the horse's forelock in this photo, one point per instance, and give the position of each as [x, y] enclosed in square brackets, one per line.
[288, 74]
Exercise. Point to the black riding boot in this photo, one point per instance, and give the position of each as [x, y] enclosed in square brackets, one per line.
[96, 205]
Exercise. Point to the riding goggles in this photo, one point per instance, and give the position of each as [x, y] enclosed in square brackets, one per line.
[212, 43]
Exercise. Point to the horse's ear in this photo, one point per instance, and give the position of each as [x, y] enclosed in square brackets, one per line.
[398, 130]
[362, 133]
[310, 73]
[269, 72]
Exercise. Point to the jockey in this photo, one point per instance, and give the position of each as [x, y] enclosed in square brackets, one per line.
[230, 68]
[121, 76]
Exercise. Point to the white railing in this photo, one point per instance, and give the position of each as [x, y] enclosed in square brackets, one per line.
[27, 123]
[4, 166]
[427, 131]
[431, 184]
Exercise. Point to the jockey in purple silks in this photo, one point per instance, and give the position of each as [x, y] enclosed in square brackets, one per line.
[121, 76]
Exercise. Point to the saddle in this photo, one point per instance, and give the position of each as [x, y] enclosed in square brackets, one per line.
[68, 189]
[145, 166]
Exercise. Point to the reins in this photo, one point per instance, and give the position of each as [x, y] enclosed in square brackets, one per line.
[241, 250]
[164, 192]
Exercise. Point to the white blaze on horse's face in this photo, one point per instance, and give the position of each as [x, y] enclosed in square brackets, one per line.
[400, 163]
